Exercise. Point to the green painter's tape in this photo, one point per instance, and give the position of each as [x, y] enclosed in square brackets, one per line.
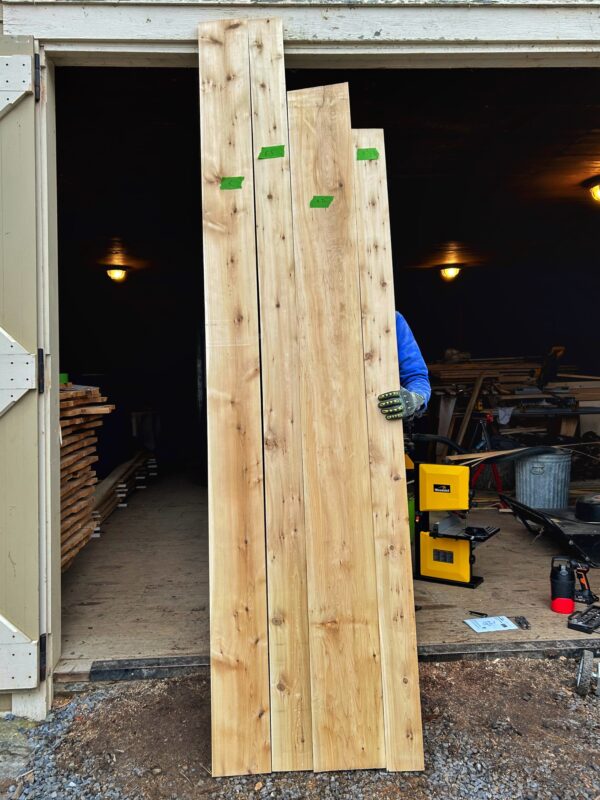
[367, 154]
[321, 201]
[276, 151]
[234, 182]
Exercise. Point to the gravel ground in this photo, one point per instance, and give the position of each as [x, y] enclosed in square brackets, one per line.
[499, 730]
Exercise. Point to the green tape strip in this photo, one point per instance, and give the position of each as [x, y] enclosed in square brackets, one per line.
[367, 154]
[321, 201]
[276, 151]
[234, 182]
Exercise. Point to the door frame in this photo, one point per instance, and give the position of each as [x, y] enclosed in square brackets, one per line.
[319, 35]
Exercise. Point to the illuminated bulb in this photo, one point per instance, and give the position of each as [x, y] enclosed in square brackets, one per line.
[595, 192]
[117, 275]
[449, 273]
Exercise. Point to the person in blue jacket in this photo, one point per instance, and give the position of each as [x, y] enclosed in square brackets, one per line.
[415, 389]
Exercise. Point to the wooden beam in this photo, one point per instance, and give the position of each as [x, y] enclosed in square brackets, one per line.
[239, 646]
[476, 391]
[284, 492]
[343, 624]
[397, 628]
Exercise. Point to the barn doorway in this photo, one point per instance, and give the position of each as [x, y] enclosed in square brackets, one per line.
[484, 172]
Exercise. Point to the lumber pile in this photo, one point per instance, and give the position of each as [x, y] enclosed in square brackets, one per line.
[504, 369]
[489, 385]
[114, 491]
[313, 641]
[82, 412]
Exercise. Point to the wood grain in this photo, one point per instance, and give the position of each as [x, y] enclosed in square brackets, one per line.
[238, 598]
[402, 711]
[346, 685]
[291, 738]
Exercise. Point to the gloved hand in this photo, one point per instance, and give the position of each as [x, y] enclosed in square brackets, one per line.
[400, 404]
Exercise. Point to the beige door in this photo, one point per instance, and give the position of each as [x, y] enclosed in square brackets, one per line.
[19, 398]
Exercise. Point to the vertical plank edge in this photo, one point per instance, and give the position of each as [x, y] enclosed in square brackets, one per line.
[237, 568]
[348, 731]
[400, 672]
[291, 735]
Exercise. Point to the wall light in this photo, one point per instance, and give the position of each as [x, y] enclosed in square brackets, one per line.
[118, 274]
[593, 187]
[449, 273]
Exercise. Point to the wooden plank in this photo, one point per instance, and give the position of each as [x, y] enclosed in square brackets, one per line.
[86, 410]
[567, 426]
[72, 438]
[74, 447]
[78, 423]
[122, 472]
[470, 407]
[75, 498]
[445, 417]
[239, 645]
[73, 458]
[291, 737]
[347, 716]
[69, 486]
[78, 466]
[397, 627]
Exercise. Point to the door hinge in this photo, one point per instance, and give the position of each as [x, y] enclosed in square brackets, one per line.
[41, 376]
[17, 371]
[43, 656]
[37, 76]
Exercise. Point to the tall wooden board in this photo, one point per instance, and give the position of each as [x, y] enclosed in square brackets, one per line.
[238, 601]
[284, 496]
[346, 684]
[402, 710]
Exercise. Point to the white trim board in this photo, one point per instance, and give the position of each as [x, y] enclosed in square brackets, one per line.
[310, 28]
[168, 54]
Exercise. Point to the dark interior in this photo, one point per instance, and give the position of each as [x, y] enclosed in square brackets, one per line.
[483, 164]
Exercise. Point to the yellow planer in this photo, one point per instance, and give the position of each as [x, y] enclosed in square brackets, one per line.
[444, 543]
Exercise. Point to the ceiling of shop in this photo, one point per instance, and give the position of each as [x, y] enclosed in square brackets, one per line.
[484, 165]
[491, 160]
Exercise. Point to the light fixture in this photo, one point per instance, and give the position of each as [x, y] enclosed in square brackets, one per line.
[449, 273]
[117, 262]
[593, 187]
[117, 274]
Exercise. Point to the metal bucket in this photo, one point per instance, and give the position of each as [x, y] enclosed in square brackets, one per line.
[543, 481]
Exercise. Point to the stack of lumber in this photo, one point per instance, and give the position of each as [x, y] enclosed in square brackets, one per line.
[487, 385]
[504, 369]
[313, 641]
[82, 411]
[116, 488]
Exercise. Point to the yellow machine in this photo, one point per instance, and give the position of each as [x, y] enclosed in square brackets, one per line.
[444, 544]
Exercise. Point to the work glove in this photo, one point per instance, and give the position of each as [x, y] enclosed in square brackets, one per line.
[400, 404]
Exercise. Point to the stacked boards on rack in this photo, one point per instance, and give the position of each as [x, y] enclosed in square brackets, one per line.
[82, 412]
[313, 644]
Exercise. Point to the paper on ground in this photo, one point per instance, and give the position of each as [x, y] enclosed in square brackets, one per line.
[490, 624]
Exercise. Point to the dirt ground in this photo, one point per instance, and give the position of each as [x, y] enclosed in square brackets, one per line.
[505, 729]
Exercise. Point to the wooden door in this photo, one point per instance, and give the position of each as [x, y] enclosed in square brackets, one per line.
[19, 473]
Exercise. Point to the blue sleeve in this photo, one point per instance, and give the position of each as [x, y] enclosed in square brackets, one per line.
[413, 370]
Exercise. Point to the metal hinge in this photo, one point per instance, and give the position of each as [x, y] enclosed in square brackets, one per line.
[41, 372]
[37, 76]
[43, 656]
[19, 658]
[17, 371]
[17, 81]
